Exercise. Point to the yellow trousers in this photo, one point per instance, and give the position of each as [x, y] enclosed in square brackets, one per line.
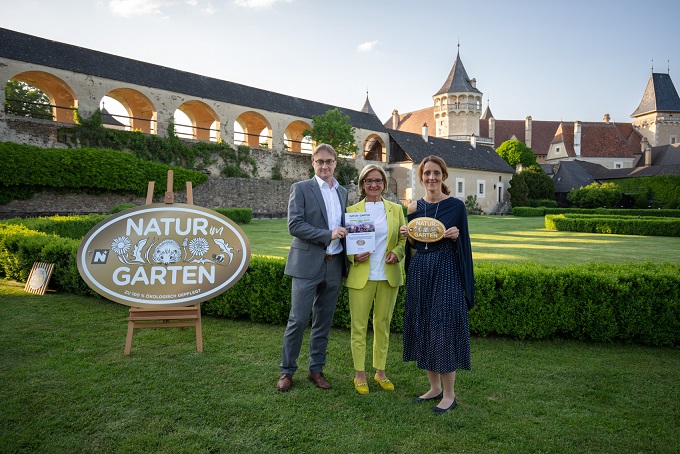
[360, 302]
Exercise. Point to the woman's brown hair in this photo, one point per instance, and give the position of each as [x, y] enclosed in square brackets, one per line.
[442, 164]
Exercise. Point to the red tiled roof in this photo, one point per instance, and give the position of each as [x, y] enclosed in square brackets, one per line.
[599, 140]
[413, 121]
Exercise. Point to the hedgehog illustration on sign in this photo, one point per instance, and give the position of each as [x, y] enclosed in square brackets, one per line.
[167, 252]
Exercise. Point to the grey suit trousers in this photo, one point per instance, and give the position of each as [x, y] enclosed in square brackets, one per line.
[316, 297]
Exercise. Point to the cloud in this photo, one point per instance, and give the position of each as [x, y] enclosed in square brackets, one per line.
[259, 4]
[127, 8]
[367, 46]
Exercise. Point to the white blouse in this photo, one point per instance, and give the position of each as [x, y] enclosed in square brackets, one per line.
[377, 258]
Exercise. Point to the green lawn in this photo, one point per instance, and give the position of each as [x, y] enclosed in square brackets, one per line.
[68, 388]
[513, 239]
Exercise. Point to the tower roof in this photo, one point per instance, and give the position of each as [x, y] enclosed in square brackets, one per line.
[487, 113]
[458, 80]
[660, 96]
[367, 107]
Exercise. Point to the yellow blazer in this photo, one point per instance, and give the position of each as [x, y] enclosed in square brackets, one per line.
[358, 272]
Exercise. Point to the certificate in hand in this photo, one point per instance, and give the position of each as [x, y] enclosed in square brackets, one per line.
[360, 233]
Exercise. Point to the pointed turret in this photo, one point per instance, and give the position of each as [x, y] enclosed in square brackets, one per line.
[458, 80]
[487, 113]
[656, 118]
[660, 96]
[457, 105]
[367, 107]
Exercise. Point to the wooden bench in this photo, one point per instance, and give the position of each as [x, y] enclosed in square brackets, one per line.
[168, 317]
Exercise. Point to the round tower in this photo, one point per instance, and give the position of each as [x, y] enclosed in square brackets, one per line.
[457, 105]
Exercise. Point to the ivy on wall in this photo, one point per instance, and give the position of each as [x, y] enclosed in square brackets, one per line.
[31, 169]
[90, 132]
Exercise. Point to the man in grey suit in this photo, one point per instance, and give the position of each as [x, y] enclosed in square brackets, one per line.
[317, 262]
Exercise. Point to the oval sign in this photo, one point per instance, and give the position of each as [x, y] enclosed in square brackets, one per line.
[427, 230]
[163, 255]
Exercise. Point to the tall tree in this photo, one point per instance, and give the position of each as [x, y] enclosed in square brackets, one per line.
[515, 152]
[24, 100]
[334, 129]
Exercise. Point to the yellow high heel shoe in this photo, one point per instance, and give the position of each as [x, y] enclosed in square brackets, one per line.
[362, 388]
[384, 383]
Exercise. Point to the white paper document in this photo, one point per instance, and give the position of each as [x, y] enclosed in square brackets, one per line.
[360, 233]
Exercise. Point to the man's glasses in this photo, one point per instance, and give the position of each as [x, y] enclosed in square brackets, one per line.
[327, 162]
[371, 182]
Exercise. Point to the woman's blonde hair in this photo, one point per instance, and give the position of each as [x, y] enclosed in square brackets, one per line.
[441, 163]
[365, 171]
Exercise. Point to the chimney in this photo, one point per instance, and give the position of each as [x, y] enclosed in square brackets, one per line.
[644, 143]
[473, 140]
[527, 131]
[606, 118]
[647, 150]
[425, 135]
[577, 138]
[492, 129]
[395, 119]
[473, 82]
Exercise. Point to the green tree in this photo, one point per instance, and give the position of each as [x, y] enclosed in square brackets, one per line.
[24, 100]
[334, 129]
[540, 185]
[519, 191]
[515, 152]
[595, 195]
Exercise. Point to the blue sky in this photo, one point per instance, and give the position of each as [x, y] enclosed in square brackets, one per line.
[569, 61]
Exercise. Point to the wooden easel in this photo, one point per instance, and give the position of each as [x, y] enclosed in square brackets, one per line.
[168, 317]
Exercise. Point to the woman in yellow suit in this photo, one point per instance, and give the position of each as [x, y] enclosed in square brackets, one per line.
[374, 278]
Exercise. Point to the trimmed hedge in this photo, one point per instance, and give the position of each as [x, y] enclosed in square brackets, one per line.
[74, 227]
[597, 302]
[238, 215]
[29, 168]
[542, 211]
[621, 225]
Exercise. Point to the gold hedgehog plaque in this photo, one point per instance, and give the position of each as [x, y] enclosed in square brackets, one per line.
[427, 230]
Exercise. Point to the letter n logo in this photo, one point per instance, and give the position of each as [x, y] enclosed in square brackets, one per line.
[100, 256]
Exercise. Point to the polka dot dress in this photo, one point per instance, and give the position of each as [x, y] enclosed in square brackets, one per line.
[436, 326]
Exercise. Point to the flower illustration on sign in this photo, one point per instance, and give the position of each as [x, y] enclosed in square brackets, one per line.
[121, 245]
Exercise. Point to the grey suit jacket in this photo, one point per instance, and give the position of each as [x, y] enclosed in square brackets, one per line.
[308, 223]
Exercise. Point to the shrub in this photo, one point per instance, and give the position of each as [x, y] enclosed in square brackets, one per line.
[121, 207]
[85, 169]
[595, 195]
[595, 302]
[622, 225]
[238, 215]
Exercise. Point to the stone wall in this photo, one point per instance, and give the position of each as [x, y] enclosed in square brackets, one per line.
[267, 199]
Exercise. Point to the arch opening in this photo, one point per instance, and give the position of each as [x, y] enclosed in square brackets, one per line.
[41, 95]
[374, 148]
[293, 139]
[131, 109]
[196, 120]
[252, 129]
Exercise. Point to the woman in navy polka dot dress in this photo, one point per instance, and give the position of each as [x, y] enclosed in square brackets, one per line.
[439, 289]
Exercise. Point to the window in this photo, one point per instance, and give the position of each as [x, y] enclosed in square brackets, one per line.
[674, 139]
[481, 188]
[557, 150]
[618, 165]
[460, 187]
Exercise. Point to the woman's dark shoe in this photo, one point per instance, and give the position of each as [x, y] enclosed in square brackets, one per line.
[441, 411]
[425, 399]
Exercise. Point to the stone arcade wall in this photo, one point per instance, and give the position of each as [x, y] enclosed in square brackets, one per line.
[267, 199]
